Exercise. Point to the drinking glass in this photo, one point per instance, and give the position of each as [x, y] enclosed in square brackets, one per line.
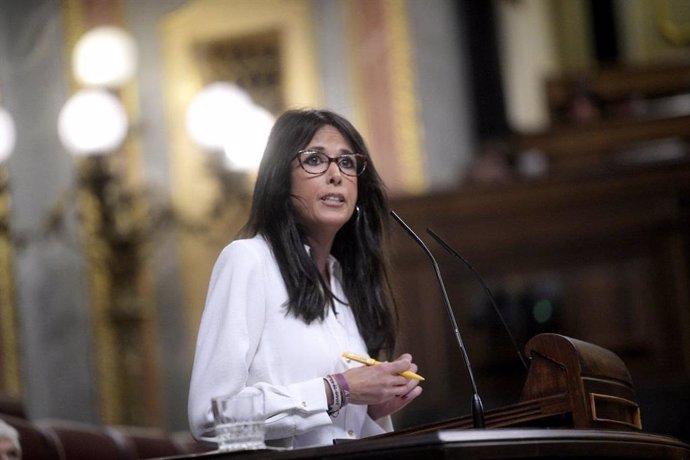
[239, 421]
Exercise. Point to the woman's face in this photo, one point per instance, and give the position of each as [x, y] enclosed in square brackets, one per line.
[324, 203]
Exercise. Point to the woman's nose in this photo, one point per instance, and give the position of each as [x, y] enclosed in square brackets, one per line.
[334, 174]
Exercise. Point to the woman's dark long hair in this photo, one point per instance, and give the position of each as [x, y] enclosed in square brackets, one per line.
[357, 246]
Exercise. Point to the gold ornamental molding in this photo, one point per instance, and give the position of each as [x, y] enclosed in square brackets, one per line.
[406, 118]
[10, 380]
[100, 294]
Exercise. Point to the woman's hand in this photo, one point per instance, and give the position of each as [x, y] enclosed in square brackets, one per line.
[391, 406]
[382, 387]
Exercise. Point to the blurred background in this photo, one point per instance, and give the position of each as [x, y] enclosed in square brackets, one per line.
[545, 140]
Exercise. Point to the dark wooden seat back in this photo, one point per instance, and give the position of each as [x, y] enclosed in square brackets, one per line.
[82, 441]
[34, 443]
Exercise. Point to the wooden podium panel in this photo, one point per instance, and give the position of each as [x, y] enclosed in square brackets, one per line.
[511, 443]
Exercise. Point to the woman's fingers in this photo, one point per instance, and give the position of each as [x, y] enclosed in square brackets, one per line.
[395, 404]
[402, 364]
[380, 383]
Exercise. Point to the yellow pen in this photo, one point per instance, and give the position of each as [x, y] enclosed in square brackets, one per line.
[373, 362]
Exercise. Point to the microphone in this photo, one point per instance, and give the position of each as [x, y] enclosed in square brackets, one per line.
[453, 252]
[477, 407]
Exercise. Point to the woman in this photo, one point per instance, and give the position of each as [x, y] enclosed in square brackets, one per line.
[306, 284]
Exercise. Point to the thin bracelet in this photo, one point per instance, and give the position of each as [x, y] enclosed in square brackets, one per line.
[334, 408]
[344, 387]
[337, 396]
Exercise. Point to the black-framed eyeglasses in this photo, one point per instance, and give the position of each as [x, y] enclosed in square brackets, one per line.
[317, 162]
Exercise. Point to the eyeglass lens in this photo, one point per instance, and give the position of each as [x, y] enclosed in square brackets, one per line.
[315, 162]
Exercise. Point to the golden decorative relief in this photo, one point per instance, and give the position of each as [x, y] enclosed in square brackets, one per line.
[405, 112]
[252, 62]
[676, 34]
[10, 380]
[116, 232]
[100, 290]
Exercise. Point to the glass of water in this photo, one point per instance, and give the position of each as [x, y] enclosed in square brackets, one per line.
[239, 421]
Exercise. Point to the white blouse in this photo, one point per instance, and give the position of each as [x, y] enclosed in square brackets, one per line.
[247, 339]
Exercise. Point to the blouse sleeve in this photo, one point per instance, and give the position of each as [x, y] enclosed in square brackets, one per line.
[229, 334]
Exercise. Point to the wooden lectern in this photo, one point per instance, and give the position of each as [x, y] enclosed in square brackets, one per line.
[593, 381]
[570, 384]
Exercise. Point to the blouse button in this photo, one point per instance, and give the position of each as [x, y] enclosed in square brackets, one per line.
[304, 404]
[351, 433]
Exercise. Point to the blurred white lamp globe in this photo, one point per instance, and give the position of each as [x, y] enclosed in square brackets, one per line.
[222, 117]
[92, 122]
[214, 112]
[244, 150]
[7, 135]
[105, 56]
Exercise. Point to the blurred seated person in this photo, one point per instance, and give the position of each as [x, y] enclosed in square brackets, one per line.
[491, 165]
[10, 449]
